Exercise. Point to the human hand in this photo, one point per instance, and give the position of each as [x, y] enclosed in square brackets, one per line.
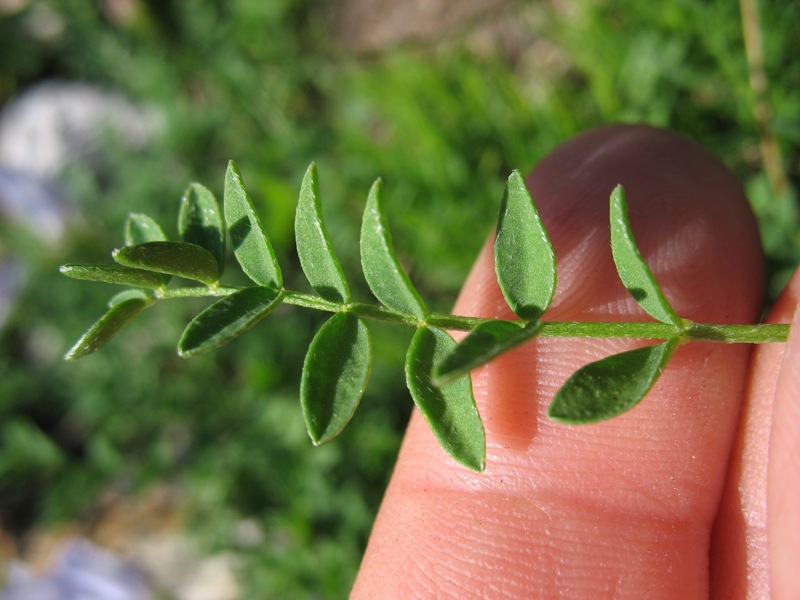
[682, 497]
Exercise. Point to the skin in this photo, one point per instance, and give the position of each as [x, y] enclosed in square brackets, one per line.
[692, 494]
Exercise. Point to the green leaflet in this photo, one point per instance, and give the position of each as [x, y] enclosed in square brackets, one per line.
[227, 319]
[200, 222]
[107, 327]
[250, 243]
[173, 258]
[631, 266]
[524, 257]
[140, 229]
[611, 386]
[449, 409]
[484, 343]
[319, 261]
[128, 294]
[113, 274]
[335, 373]
[384, 274]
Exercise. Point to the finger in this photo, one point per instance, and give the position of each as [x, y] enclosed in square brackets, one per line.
[784, 473]
[768, 435]
[622, 507]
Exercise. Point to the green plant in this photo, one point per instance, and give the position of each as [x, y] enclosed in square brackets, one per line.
[338, 362]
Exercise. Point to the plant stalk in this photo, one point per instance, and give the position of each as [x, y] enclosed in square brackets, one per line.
[705, 332]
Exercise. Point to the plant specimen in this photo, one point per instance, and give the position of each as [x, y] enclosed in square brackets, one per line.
[338, 361]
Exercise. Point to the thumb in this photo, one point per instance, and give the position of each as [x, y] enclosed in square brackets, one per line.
[756, 537]
[618, 508]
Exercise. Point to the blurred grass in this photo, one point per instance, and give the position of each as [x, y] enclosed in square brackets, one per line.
[267, 84]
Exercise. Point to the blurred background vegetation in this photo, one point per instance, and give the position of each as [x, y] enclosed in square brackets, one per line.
[442, 106]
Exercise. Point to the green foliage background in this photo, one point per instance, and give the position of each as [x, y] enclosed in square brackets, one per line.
[267, 84]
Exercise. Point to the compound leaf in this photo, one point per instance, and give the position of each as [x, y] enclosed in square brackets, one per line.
[227, 319]
[200, 222]
[524, 257]
[484, 343]
[384, 274]
[173, 258]
[319, 261]
[119, 315]
[140, 229]
[335, 373]
[631, 266]
[113, 274]
[449, 409]
[611, 386]
[250, 243]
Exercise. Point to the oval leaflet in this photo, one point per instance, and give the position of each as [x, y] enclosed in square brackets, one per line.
[251, 245]
[384, 274]
[524, 257]
[449, 409]
[611, 386]
[227, 319]
[335, 374]
[631, 266]
[320, 263]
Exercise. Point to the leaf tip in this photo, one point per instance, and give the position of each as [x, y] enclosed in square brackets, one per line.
[232, 172]
[187, 352]
[478, 466]
[516, 177]
[618, 197]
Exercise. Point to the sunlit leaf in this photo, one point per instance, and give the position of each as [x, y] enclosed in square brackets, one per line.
[129, 294]
[250, 243]
[524, 257]
[384, 274]
[319, 261]
[631, 266]
[200, 222]
[173, 258]
[611, 386]
[140, 229]
[449, 409]
[484, 343]
[107, 327]
[227, 319]
[113, 274]
[335, 373]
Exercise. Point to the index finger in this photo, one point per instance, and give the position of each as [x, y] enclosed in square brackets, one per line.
[619, 507]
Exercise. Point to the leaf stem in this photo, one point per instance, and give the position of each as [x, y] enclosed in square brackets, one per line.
[763, 333]
[702, 332]
[707, 332]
